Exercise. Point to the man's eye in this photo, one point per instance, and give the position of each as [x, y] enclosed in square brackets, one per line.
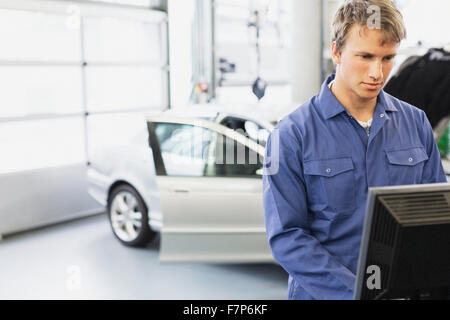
[388, 58]
[366, 57]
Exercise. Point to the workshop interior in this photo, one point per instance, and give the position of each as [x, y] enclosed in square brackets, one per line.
[117, 120]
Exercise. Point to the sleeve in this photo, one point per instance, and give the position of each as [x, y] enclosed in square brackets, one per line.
[433, 172]
[286, 220]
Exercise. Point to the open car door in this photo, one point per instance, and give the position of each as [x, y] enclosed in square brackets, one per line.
[210, 184]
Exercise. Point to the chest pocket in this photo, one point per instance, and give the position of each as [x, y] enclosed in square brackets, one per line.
[331, 185]
[405, 165]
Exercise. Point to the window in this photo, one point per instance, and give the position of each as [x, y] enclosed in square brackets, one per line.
[54, 72]
[125, 60]
[120, 40]
[36, 144]
[233, 159]
[184, 148]
[140, 3]
[37, 36]
[194, 151]
[40, 90]
[123, 88]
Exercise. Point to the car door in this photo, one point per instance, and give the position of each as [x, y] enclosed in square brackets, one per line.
[210, 186]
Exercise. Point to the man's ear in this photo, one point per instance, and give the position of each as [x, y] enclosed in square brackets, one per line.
[335, 54]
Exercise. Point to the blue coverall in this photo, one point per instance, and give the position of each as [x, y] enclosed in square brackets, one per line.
[315, 198]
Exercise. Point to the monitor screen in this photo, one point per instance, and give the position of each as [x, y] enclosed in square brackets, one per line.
[405, 247]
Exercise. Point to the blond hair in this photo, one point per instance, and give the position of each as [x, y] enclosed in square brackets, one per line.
[359, 12]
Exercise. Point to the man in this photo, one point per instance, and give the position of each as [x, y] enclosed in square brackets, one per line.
[349, 137]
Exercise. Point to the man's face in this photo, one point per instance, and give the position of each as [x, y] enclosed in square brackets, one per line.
[365, 62]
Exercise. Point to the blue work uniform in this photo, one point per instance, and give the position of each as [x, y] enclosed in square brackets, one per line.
[315, 201]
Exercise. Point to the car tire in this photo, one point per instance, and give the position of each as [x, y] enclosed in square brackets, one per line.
[128, 217]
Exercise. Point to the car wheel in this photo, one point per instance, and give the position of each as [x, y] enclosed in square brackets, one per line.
[128, 217]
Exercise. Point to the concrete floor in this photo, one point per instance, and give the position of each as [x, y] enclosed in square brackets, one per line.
[82, 260]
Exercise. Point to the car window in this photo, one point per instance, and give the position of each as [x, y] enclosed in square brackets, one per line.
[233, 159]
[194, 151]
[184, 148]
[249, 128]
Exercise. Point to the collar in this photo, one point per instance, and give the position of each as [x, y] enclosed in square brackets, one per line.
[386, 102]
[329, 106]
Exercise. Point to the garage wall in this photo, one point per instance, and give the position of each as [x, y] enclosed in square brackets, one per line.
[63, 66]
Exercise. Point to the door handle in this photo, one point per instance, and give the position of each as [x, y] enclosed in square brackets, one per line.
[182, 190]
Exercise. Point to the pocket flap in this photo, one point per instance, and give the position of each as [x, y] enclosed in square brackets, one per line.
[328, 167]
[407, 157]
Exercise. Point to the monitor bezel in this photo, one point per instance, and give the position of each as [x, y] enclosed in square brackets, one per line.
[372, 195]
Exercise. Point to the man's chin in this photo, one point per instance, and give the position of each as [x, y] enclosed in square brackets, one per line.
[369, 94]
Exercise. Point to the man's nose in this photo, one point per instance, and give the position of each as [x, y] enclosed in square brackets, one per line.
[376, 71]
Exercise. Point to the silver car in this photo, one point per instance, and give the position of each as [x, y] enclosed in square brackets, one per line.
[196, 179]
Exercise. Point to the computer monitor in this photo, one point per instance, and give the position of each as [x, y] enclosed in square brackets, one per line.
[405, 247]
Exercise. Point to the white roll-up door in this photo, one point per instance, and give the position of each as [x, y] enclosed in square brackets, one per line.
[63, 66]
